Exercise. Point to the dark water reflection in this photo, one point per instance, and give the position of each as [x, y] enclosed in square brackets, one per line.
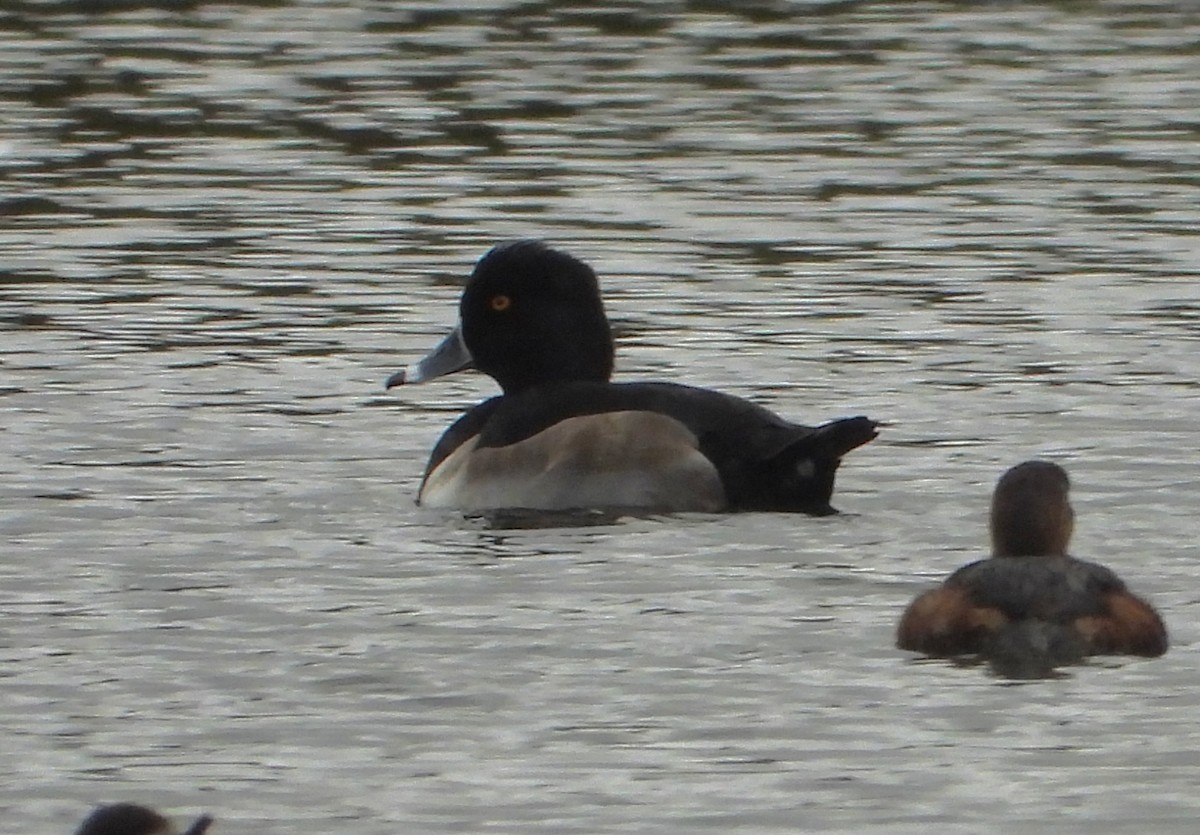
[223, 225]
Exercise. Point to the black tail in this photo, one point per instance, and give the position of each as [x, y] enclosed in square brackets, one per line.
[799, 476]
[836, 438]
[200, 825]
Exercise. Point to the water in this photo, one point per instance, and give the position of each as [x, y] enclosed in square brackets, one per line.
[224, 225]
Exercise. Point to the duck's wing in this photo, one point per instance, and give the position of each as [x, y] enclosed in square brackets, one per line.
[765, 462]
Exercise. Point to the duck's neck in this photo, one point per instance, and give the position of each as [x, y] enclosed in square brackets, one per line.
[1031, 540]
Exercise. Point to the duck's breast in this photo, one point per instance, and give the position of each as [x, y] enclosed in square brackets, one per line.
[621, 459]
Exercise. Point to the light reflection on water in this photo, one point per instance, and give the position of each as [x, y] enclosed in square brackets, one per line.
[226, 224]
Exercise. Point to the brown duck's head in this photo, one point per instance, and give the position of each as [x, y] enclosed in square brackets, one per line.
[1031, 512]
[133, 819]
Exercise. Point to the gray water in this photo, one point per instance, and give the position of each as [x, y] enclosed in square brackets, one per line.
[225, 224]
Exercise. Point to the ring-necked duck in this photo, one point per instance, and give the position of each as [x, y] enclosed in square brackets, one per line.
[132, 819]
[1031, 607]
[562, 437]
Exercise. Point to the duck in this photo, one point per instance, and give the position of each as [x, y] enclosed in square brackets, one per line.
[134, 819]
[562, 436]
[1030, 607]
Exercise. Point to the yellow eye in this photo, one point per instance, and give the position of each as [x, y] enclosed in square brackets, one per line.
[501, 303]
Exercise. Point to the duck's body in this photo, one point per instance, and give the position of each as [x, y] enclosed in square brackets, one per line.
[563, 437]
[649, 445]
[1031, 607]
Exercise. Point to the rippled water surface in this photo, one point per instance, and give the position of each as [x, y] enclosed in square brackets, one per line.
[225, 224]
